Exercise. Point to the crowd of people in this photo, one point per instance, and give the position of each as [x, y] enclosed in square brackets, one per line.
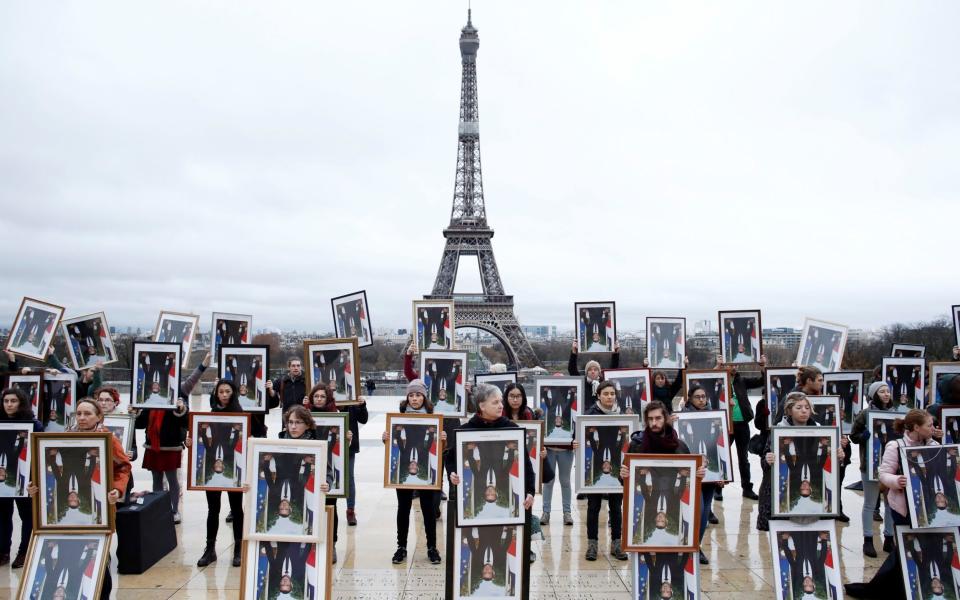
[165, 438]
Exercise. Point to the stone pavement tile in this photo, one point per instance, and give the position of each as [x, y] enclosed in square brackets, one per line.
[140, 594]
[371, 580]
[588, 581]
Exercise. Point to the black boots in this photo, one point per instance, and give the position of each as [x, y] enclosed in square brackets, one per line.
[209, 555]
[237, 550]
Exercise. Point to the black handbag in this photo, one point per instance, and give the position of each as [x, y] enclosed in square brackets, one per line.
[546, 471]
[757, 444]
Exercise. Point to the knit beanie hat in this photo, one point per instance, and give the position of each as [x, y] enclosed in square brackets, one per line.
[416, 387]
[873, 389]
[591, 363]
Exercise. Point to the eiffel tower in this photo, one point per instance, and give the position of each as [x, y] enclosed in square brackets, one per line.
[469, 234]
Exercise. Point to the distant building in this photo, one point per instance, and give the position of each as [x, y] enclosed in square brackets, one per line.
[783, 337]
[705, 340]
[540, 332]
[704, 326]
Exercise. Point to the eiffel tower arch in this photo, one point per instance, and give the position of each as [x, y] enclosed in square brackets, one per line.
[468, 233]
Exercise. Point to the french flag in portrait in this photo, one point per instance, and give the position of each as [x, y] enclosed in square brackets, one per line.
[831, 574]
[609, 326]
[348, 379]
[955, 565]
[172, 381]
[97, 491]
[516, 484]
[447, 332]
[755, 342]
[690, 578]
[680, 342]
[433, 459]
[88, 585]
[513, 568]
[956, 478]
[261, 383]
[23, 467]
[686, 511]
[918, 392]
[723, 455]
[311, 572]
[238, 458]
[722, 397]
[364, 326]
[461, 393]
[828, 490]
[835, 355]
[308, 499]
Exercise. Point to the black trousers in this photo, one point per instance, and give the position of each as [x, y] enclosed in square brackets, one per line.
[741, 439]
[427, 507]
[24, 507]
[336, 517]
[213, 515]
[614, 506]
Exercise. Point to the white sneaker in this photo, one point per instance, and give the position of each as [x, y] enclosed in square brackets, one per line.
[176, 518]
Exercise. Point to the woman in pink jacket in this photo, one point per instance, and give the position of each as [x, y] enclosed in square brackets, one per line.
[917, 429]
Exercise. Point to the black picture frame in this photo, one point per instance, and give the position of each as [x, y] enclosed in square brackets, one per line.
[725, 345]
[339, 327]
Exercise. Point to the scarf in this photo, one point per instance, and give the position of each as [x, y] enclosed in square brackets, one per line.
[613, 411]
[422, 410]
[153, 428]
[665, 443]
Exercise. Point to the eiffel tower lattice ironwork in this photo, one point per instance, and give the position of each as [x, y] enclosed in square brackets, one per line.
[469, 234]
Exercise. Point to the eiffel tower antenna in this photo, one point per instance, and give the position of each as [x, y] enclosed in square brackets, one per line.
[468, 233]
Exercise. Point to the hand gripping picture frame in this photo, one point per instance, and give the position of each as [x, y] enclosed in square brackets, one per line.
[560, 399]
[705, 432]
[413, 457]
[805, 472]
[662, 503]
[229, 329]
[334, 362]
[602, 442]
[596, 326]
[31, 334]
[285, 502]
[806, 560]
[88, 341]
[351, 317]
[492, 469]
[217, 457]
[74, 474]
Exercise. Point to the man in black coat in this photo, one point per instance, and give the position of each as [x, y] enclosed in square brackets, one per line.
[742, 414]
[289, 389]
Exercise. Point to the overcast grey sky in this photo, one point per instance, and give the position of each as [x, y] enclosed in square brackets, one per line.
[678, 158]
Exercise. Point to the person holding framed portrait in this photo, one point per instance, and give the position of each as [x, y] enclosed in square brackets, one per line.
[880, 400]
[741, 414]
[415, 403]
[663, 389]
[605, 405]
[592, 373]
[16, 408]
[89, 419]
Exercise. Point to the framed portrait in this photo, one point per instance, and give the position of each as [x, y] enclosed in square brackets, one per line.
[806, 560]
[177, 328]
[905, 378]
[351, 317]
[218, 451]
[826, 410]
[65, 565]
[32, 332]
[88, 341]
[932, 488]
[492, 469]
[928, 560]
[938, 370]
[156, 375]
[955, 311]
[806, 473]
[121, 425]
[596, 326]
[705, 432]
[780, 380]
[661, 508]
[880, 428]
[534, 431]
[665, 575]
[444, 373]
[950, 424]
[59, 401]
[15, 453]
[633, 389]
[231, 330]
[821, 345]
[500, 380]
[489, 562]
[413, 460]
[741, 338]
[908, 350]
[666, 342]
[73, 472]
[560, 399]
[334, 427]
[31, 385]
[248, 367]
[334, 362]
[849, 387]
[433, 325]
[716, 382]
[300, 570]
[604, 440]
[285, 503]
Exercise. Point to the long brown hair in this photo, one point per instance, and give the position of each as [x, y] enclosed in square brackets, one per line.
[301, 412]
[330, 405]
[913, 419]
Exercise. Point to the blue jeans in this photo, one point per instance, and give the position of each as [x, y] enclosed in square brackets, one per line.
[352, 489]
[561, 461]
[706, 492]
[871, 490]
